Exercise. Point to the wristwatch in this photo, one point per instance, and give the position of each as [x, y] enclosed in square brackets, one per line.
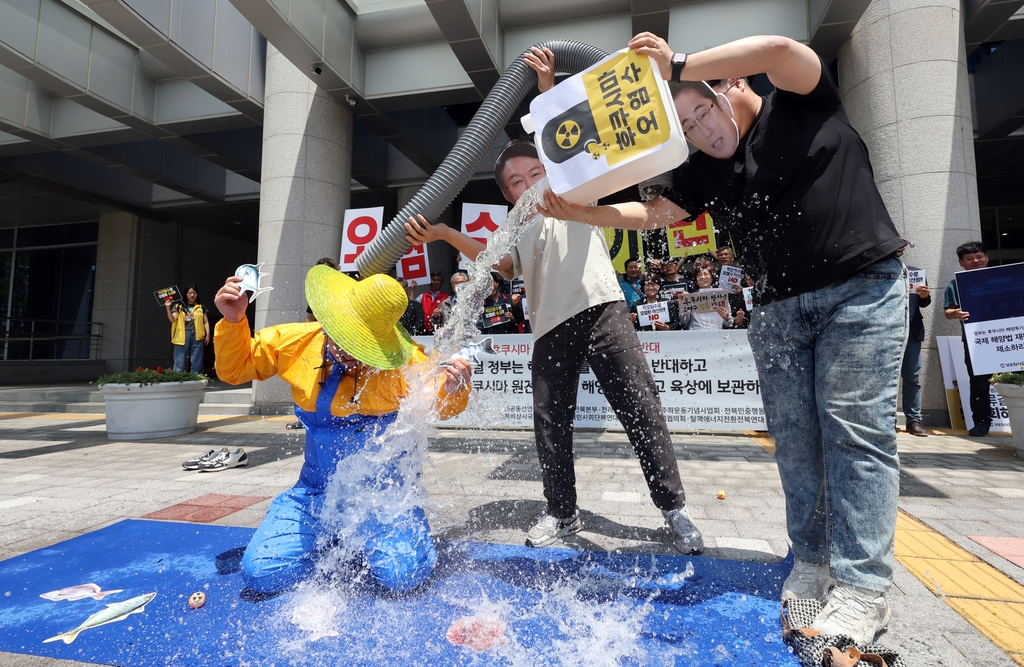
[678, 62]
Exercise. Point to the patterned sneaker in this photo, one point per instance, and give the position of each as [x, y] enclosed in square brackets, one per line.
[685, 536]
[193, 464]
[854, 612]
[225, 459]
[550, 528]
[807, 581]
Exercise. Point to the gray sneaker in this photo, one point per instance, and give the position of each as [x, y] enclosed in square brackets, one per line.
[807, 581]
[855, 612]
[194, 463]
[685, 536]
[225, 459]
[551, 528]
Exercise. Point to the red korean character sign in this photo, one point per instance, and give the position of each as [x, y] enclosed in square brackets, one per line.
[414, 265]
[694, 237]
[361, 227]
[479, 221]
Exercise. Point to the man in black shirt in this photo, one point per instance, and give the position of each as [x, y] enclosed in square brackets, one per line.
[791, 180]
[413, 320]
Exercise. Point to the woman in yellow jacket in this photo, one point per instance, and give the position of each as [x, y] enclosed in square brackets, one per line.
[348, 372]
[190, 331]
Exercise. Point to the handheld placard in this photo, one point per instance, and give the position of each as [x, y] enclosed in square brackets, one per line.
[251, 275]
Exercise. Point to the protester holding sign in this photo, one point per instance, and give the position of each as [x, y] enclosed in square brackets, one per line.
[790, 179]
[910, 373]
[971, 256]
[717, 317]
[578, 315]
[654, 313]
[673, 284]
[190, 331]
[502, 313]
[432, 298]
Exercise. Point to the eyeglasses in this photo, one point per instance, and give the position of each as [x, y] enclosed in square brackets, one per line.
[698, 121]
[702, 116]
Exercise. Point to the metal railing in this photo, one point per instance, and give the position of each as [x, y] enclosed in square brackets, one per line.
[40, 339]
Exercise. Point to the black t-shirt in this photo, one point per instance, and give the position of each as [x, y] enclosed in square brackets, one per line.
[798, 196]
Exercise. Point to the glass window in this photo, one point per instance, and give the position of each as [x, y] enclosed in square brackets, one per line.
[6, 238]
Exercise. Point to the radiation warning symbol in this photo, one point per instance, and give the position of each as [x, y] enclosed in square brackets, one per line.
[568, 134]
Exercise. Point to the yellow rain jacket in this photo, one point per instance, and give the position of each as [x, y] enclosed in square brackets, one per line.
[178, 326]
[295, 353]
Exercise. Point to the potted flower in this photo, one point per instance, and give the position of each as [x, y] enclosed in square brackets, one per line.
[1010, 386]
[151, 403]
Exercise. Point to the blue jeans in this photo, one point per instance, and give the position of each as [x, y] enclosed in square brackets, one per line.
[829, 363]
[192, 349]
[911, 374]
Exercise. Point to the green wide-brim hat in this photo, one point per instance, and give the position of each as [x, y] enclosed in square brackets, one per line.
[361, 317]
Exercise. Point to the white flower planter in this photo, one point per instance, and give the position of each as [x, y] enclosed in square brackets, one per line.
[1013, 396]
[160, 410]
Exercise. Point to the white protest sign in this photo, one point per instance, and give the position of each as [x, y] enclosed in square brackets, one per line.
[729, 277]
[526, 308]
[1000, 416]
[361, 226]
[917, 277]
[949, 346]
[649, 313]
[705, 380]
[414, 265]
[704, 301]
[478, 222]
[748, 298]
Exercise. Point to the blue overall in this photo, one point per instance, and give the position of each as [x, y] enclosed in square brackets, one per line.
[400, 555]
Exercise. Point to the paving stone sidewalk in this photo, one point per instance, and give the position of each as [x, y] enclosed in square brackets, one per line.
[60, 477]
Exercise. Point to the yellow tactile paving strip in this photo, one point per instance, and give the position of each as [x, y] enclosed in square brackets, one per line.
[985, 597]
[988, 599]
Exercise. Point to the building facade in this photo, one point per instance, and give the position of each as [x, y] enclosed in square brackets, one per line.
[148, 143]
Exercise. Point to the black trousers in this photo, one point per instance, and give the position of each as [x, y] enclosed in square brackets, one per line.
[981, 403]
[604, 337]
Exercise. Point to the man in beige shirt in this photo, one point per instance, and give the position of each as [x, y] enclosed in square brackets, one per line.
[578, 314]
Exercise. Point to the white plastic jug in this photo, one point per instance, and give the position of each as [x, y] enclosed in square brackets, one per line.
[607, 128]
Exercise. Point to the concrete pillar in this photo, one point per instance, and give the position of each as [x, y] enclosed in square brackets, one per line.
[113, 303]
[304, 191]
[903, 78]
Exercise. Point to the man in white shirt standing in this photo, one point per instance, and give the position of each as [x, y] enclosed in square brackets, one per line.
[578, 314]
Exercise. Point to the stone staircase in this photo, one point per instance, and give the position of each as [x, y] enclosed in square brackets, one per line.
[218, 399]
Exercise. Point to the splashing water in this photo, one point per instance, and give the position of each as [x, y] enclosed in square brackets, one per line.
[460, 330]
[381, 483]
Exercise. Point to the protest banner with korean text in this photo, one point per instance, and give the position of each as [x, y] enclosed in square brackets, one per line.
[953, 361]
[414, 265]
[623, 245]
[994, 297]
[704, 301]
[649, 313]
[705, 379]
[361, 226]
[917, 277]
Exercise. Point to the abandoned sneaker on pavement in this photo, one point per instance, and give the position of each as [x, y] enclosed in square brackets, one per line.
[807, 581]
[855, 612]
[225, 459]
[194, 463]
[685, 535]
[551, 528]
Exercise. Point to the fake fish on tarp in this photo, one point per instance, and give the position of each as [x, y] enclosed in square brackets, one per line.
[79, 592]
[250, 275]
[473, 351]
[113, 612]
[477, 632]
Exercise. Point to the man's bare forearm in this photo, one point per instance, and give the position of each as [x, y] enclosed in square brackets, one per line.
[659, 212]
[469, 246]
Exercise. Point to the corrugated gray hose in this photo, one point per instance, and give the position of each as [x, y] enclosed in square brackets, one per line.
[471, 148]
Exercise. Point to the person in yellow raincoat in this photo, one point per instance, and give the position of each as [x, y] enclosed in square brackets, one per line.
[347, 379]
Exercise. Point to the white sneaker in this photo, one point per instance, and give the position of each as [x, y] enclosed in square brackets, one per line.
[855, 612]
[225, 459]
[194, 463]
[550, 528]
[807, 581]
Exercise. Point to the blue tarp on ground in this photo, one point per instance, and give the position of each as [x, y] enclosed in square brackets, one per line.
[522, 606]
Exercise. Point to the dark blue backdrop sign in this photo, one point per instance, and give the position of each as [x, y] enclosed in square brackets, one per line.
[994, 297]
